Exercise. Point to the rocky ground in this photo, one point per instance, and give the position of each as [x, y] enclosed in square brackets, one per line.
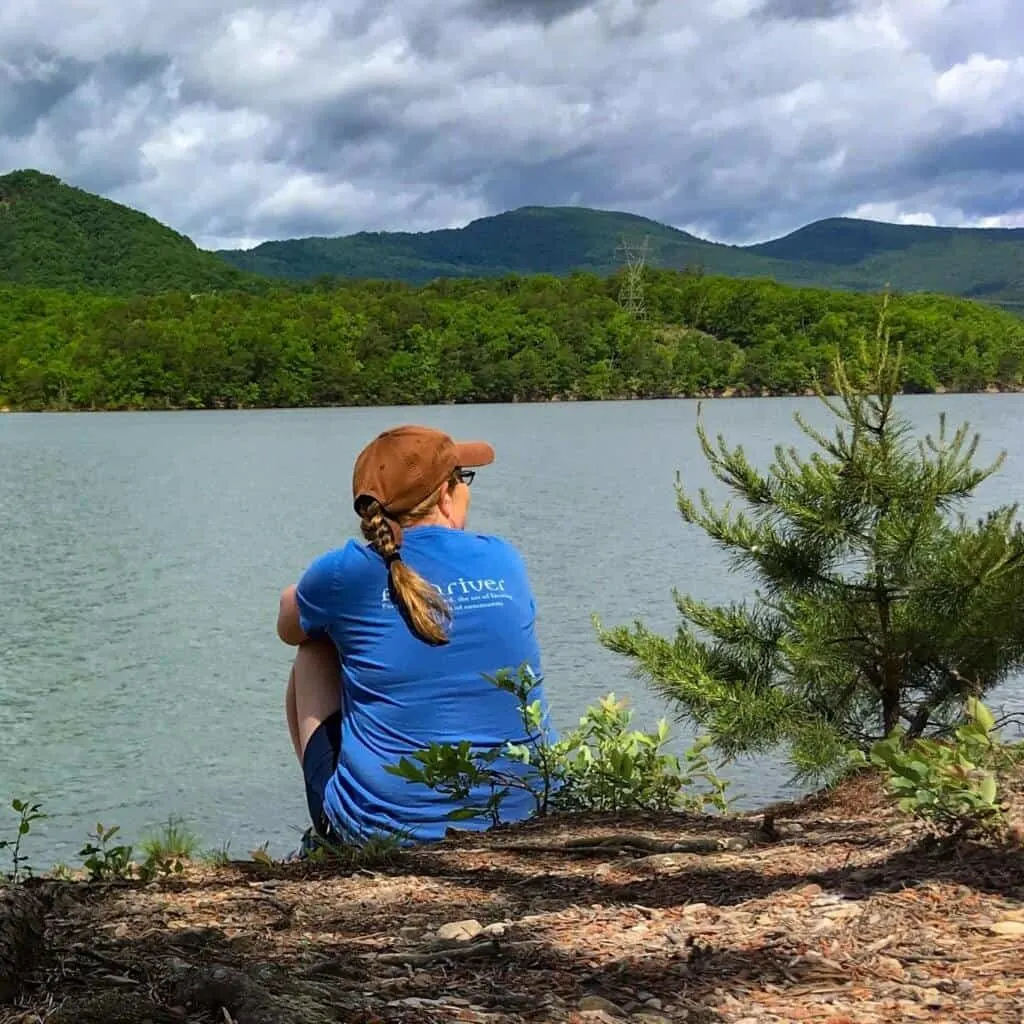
[832, 910]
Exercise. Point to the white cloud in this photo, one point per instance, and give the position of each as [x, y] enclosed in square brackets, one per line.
[738, 118]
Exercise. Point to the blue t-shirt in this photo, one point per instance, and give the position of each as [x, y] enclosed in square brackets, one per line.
[399, 694]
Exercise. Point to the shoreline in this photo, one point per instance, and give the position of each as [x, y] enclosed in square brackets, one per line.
[720, 393]
[830, 908]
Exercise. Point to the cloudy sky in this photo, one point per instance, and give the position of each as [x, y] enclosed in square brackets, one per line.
[735, 119]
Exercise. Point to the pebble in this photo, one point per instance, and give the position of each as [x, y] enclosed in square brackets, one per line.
[461, 931]
[1007, 928]
[589, 1004]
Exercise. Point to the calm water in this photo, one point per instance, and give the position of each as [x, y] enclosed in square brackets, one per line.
[141, 557]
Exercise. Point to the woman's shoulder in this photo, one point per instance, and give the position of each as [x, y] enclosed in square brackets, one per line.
[344, 558]
[494, 546]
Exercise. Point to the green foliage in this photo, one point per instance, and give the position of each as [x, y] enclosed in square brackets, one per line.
[601, 766]
[28, 813]
[463, 773]
[879, 603]
[55, 236]
[377, 851]
[505, 340]
[169, 851]
[219, 856]
[951, 784]
[606, 766]
[104, 861]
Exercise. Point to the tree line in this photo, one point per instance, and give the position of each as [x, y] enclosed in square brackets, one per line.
[337, 342]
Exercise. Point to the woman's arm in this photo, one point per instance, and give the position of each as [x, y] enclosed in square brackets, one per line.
[289, 628]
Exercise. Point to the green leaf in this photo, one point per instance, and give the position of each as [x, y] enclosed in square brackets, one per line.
[465, 813]
[988, 789]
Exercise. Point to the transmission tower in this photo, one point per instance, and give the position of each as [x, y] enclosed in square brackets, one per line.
[631, 294]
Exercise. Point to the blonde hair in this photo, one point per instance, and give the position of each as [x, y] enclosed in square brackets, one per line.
[425, 610]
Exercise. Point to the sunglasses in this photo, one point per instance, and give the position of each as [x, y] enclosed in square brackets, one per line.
[465, 476]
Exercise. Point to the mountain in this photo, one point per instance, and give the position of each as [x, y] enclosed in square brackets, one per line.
[985, 263]
[54, 235]
[530, 240]
[837, 253]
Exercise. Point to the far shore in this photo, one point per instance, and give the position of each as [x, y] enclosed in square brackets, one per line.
[721, 393]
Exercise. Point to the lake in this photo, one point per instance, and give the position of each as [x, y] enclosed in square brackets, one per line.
[141, 558]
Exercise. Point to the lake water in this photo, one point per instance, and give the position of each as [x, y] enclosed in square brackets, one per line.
[141, 558]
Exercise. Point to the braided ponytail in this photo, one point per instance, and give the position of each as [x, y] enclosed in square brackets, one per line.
[426, 611]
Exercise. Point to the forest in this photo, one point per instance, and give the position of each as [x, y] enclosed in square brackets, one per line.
[509, 339]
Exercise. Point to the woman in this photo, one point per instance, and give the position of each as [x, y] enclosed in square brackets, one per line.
[395, 638]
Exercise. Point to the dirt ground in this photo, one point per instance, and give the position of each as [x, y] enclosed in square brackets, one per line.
[838, 913]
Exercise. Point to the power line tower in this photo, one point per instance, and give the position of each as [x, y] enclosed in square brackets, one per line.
[631, 294]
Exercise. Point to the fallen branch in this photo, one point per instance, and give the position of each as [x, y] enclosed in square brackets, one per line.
[601, 846]
[470, 951]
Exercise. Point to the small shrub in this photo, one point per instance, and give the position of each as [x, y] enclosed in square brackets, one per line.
[951, 785]
[378, 850]
[101, 860]
[457, 770]
[169, 851]
[220, 856]
[608, 767]
[28, 813]
[175, 840]
[601, 765]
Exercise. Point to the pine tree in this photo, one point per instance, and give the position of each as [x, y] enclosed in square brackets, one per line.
[879, 603]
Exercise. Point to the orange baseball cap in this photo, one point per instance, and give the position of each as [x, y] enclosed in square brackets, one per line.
[404, 466]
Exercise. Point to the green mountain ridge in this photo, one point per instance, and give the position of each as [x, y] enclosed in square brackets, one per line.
[58, 236]
[54, 235]
[838, 252]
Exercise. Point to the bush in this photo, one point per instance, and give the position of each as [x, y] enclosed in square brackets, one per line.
[952, 785]
[602, 765]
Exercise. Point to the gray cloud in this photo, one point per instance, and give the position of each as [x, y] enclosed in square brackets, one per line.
[735, 119]
[544, 11]
[807, 9]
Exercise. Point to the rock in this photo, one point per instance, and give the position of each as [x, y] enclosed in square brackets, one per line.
[933, 998]
[649, 1017]
[589, 1004]
[1007, 927]
[495, 930]
[653, 1003]
[892, 968]
[460, 931]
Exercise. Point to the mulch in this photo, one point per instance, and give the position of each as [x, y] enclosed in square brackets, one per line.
[834, 910]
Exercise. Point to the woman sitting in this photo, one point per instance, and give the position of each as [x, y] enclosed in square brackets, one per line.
[396, 637]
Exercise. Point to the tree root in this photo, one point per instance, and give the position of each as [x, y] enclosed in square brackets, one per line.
[603, 845]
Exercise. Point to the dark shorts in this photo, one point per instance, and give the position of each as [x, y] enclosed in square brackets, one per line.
[319, 761]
